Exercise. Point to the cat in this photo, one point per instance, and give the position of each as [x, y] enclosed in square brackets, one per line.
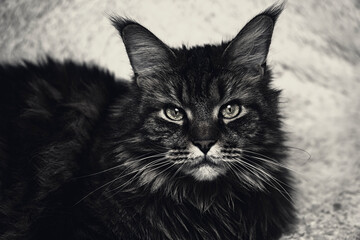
[191, 148]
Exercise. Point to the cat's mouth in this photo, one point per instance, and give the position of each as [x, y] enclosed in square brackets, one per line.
[205, 169]
[205, 161]
[202, 167]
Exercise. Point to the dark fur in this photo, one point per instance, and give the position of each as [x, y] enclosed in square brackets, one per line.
[61, 122]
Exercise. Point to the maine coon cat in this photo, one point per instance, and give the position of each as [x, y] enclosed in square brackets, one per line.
[191, 148]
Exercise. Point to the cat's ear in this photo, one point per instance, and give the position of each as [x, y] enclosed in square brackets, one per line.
[251, 44]
[146, 52]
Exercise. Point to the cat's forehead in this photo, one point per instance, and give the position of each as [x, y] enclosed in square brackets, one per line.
[199, 60]
[204, 81]
[198, 80]
[197, 68]
[200, 92]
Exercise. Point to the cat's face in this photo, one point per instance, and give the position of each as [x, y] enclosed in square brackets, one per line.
[205, 109]
[204, 122]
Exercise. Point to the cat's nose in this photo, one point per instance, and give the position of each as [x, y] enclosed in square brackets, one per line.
[204, 145]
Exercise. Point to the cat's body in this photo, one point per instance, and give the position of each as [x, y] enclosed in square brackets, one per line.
[191, 149]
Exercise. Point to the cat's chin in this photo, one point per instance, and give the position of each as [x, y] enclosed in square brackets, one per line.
[206, 172]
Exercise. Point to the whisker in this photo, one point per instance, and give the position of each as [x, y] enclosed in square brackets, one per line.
[177, 171]
[259, 170]
[159, 164]
[139, 171]
[94, 191]
[303, 150]
[272, 178]
[120, 165]
[164, 170]
[119, 188]
[117, 178]
[269, 160]
[233, 165]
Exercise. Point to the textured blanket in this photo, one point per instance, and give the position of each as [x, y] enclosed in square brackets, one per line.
[315, 56]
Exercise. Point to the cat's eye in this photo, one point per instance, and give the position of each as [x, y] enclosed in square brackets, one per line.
[230, 110]
[174, 113]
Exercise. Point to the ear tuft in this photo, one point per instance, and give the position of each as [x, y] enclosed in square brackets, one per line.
[274, 11]
[120, 23]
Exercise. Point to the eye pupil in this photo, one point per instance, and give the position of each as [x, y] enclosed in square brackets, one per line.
[229, 108]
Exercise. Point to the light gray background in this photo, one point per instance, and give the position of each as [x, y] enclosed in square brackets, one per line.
[315, 56]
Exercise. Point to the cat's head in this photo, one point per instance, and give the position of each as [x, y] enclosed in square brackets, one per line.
[207, 110]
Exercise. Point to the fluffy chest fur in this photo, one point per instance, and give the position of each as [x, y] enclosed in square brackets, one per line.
[232, 216]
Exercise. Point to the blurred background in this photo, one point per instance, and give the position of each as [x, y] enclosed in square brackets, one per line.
[315, 57]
